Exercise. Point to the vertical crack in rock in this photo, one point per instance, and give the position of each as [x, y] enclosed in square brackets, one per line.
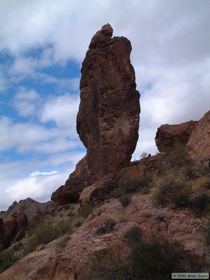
[108, 117]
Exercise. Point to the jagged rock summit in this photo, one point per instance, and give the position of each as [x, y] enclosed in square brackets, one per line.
[108, 117]
[31, 208]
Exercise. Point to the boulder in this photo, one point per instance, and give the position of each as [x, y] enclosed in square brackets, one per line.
[108, 117]
[168, 137]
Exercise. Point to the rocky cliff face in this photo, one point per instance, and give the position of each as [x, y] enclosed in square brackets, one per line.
[194, 136]
[108, 117]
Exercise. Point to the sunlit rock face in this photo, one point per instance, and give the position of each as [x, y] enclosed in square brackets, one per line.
[108, 117]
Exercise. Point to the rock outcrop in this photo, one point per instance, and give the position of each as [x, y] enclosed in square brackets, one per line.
[12, 229]
[199, 142]
[31, 208]
[193, 136]
[170, 136]
[108, 117]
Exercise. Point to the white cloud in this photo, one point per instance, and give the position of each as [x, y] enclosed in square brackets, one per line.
[19, 180]
[62, 110]
[26, 102]
[38, 186]
[41, 173]
[31, 137]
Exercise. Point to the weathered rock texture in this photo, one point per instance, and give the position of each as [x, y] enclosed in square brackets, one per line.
[194, 136]
[12, 229]
[199, 142]
[108, 117]
[170, 136]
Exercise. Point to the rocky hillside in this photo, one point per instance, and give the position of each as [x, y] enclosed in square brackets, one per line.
[115, 219]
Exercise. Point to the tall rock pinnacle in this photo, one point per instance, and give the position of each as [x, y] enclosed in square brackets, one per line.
[108, 117]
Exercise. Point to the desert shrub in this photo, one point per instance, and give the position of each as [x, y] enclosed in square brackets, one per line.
[88, 208]
[146, 260]
[64, 226]
[17, 246]
[174, 192]
[106, 266]
[200, 203]
[127, 185]
[178, 156]
[133, 234]
[45, 233]
[155, 260]
[145, 190]
[62, 244]
[125, 200]
[106, 227]
[144, 155]
[193, 171]
[78, 222]
[84, 211]
[7, 259]
[159, 217]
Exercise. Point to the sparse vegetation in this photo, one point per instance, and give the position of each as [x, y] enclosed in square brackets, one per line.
[7, 258]
[144, 155]
[106, 227]
[147, 260]
[200, 203]
[125, 200]
[128, 185]
[85, 210]
[133, 234]
[62, 244]
[174, 192]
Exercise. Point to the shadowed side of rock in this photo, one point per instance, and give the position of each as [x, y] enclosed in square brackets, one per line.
[108, 117]
[169, 137]
[12, 229]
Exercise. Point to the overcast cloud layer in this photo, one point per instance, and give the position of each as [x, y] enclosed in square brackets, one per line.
[171, 57]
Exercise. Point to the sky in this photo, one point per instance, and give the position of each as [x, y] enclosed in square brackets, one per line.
[42, 46]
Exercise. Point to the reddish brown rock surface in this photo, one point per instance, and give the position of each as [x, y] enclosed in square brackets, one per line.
[170, 136]
[199, 142]
[194, 136]
[108, 117]
[12, 229]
